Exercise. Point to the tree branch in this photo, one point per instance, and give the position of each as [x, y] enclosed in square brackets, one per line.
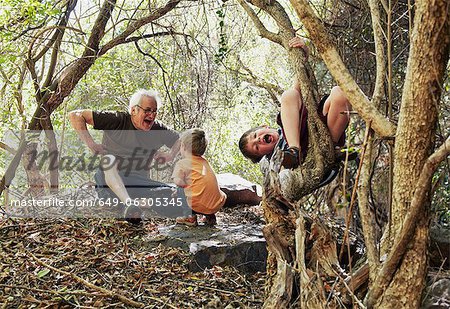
[59, 33]
[12, 167]
[132, 27]
[353, 196]
[367, 218]
[62, 23]
[148, 36]
[53, 60]
[31, 60]
[251, 78]
[337, 68]
[98, 30]
[379, 52]
[164, 73]
[7, 148]
[278, 13]
[259, 25]
[73, 73]
[259, 81]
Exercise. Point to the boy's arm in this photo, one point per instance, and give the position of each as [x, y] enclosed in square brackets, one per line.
[298, 42]
[179, 175]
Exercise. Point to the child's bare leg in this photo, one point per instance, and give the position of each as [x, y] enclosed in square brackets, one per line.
[113, 180]
[291, 103]
[334, 105]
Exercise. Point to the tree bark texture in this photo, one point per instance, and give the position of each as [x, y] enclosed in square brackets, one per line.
[303, 255]
[428, 58]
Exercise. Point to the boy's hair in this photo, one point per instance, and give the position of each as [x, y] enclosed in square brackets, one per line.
[243, 141]
[194, 140]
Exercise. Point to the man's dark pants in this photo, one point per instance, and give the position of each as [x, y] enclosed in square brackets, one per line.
[159, 195]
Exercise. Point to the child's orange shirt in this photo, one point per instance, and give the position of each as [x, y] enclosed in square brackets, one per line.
[202, 191]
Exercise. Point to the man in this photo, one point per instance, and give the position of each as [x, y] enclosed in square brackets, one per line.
[131, 142]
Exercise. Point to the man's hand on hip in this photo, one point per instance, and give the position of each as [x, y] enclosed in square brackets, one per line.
[97, 148]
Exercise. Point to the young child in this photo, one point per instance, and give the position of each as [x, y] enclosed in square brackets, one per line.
[260, 141]
[195, 175]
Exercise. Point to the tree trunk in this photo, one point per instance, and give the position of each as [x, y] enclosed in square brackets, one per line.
[414, 142]
[320, 157]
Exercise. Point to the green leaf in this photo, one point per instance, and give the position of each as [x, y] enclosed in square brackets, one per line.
[43, 272]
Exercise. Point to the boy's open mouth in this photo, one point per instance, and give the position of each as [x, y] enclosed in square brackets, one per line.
[267, 138]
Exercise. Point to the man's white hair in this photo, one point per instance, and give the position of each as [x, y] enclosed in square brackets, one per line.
[136, 98]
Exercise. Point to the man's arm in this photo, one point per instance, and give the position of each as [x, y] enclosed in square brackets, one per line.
[78, 120]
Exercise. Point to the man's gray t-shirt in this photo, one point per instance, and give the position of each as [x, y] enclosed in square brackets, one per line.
[135, 147]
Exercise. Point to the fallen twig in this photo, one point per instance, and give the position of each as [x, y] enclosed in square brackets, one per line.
[107, 292]
[22, 287]
[202, 286]
[208, 288]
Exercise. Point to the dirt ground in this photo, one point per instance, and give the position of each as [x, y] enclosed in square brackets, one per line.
[39, 258]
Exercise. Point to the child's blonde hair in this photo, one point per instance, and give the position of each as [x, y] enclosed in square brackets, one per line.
[194, 140]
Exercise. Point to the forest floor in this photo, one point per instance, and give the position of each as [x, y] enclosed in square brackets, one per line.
[34, 255]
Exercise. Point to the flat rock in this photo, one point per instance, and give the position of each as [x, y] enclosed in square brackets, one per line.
[239, 190]
[240, 246]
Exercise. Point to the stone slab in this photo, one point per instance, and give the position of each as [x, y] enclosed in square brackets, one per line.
[239, 190]
[240, 246]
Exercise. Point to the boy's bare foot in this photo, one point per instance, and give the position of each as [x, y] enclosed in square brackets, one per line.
[189, 220]
[291, 158]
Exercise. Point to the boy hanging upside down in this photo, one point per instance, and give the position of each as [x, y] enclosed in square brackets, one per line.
[260, 141]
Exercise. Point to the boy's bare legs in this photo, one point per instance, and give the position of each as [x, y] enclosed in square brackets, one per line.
[291, 103]
[334, 105]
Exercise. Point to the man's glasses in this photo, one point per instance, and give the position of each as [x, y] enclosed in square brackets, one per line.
[148, 111]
